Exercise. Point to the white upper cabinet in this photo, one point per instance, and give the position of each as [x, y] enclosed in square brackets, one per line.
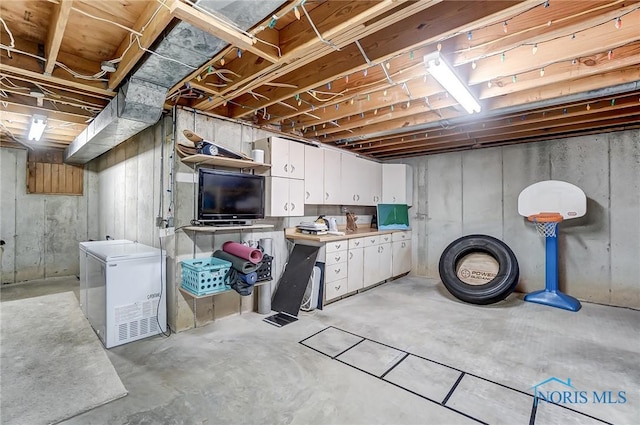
[285, 156]
[397, 184]
[332, 177]
[314, 175]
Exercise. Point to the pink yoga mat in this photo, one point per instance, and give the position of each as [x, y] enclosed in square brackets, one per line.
[243, 251]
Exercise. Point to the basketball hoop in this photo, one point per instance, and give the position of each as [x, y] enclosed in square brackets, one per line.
[546, 223]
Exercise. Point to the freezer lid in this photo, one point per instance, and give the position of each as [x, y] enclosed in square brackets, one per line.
[113, 252]
[84, 246]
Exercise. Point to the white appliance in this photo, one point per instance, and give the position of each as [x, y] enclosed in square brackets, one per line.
[83, 267]
[126, 291]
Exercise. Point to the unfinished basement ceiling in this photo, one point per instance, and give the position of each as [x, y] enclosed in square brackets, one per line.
[348, 74]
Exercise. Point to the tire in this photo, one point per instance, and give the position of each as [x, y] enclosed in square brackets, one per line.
[498, 288]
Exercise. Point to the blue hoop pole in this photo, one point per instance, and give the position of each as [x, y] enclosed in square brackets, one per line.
[551, 296]
[551, 254]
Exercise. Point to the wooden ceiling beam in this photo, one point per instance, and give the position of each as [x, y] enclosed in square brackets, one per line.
[151, 23]
[566, 71]
[21, 108]
[222, 30]
[425, 27]
[345, 23]
[58, 24]
[533, 27]
[32, 68]
[516, 132]
[521, 59]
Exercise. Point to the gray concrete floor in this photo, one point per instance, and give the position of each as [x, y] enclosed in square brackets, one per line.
[353, 366]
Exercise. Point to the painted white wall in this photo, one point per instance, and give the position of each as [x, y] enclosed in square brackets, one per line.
[461, 193]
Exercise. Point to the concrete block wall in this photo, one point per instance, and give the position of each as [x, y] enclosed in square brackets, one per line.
[41, 231]
[461, 193]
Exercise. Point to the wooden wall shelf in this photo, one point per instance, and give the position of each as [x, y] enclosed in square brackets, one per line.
[220, 161]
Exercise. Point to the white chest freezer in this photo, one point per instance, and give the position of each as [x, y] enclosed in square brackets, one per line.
[126, 291]
[83, 267]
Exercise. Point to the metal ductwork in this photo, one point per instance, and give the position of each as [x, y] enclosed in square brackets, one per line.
[140, 101]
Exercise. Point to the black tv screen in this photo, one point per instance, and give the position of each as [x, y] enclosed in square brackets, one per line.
[226, 196]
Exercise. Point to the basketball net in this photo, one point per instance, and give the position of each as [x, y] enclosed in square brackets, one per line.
[546, 223]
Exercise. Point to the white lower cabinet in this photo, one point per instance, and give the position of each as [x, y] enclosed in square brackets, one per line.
[335, 269]
[401, 248]
[355, 259]
[357, 263]
[377, 263]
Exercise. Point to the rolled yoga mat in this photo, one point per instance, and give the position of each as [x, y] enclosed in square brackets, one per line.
[240, 264]
[249, 278]
[243, 251]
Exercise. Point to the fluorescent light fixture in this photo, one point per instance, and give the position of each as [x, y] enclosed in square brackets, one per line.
[446, 76]
[38, 124]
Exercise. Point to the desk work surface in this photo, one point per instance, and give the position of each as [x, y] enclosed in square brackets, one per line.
[290, 233]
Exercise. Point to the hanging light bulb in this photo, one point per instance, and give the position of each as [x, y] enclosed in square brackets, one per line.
[514, 79]
[392, 108]
[489, 84]
[411, 55]
[198, 78]
[588, 107]
[469, 35]
[352, 100]
[346, 78]
[474, 65]
[239, 53]
[535, 49]
[503, 57]
[613, 102]
[299, 102]
[296, 12]
[408, 104]
[505, 28]
[329, 85]
[546, 4]
[222, 62]
[365, 72]
[542, 72]
[610, 54]
[439, 46]
[375, 112]
[618, 23]
[387, 65]
[549, 23]
[384, 93]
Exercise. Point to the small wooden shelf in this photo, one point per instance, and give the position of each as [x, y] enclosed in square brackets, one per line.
[213, 229]
[184, 291]
[221, 161]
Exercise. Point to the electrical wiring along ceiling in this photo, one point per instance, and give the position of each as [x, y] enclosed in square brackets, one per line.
[348, 74]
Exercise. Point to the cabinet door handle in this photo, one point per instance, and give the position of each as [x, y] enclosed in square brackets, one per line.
[308, 194]
[358, 197]
[354, 197]
[337, 259]
[293, 206]
[381, 248]
[338, 287]
[286, 206]
[373, 240]
[293, 168]
[337, 271]
[357, 243]
[338, 246]
[326, 196]
[394, 199]
[350, 255]
[403, 244]
[286, 168]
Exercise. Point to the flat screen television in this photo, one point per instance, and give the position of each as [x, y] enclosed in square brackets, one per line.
[393, 216]
[226, 197]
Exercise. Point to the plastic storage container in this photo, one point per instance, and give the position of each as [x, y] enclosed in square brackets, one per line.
[205, 276]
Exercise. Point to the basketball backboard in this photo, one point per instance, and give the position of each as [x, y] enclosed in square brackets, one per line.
[553, 196]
